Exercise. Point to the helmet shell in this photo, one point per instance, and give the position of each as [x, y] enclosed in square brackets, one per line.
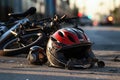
[70, 36]
[36, 55]
[67, 43]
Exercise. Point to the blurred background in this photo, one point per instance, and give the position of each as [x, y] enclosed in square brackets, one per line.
[91, 12]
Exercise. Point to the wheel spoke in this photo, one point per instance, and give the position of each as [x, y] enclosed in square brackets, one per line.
[26, 40]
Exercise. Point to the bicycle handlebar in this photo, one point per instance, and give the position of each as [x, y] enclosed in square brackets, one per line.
[55, 19]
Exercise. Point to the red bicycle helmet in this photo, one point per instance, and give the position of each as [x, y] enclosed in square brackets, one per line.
[66, 44]
[70, 36]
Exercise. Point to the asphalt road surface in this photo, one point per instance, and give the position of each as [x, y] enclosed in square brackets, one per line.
[104, 38]
[106, 47]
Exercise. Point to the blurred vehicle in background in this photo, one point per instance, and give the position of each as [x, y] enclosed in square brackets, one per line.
[85, 21]
[107, 20]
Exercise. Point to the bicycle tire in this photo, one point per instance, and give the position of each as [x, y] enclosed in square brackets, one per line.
[8, 51]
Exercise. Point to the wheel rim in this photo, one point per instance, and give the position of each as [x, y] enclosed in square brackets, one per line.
[30, 38]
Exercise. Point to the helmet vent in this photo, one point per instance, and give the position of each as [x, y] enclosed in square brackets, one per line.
[70, 38]
[53, 39]
[61, 34]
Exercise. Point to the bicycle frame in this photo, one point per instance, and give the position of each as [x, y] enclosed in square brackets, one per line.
[7, 34]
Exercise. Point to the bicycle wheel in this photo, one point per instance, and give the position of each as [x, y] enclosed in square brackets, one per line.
[13, 48]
